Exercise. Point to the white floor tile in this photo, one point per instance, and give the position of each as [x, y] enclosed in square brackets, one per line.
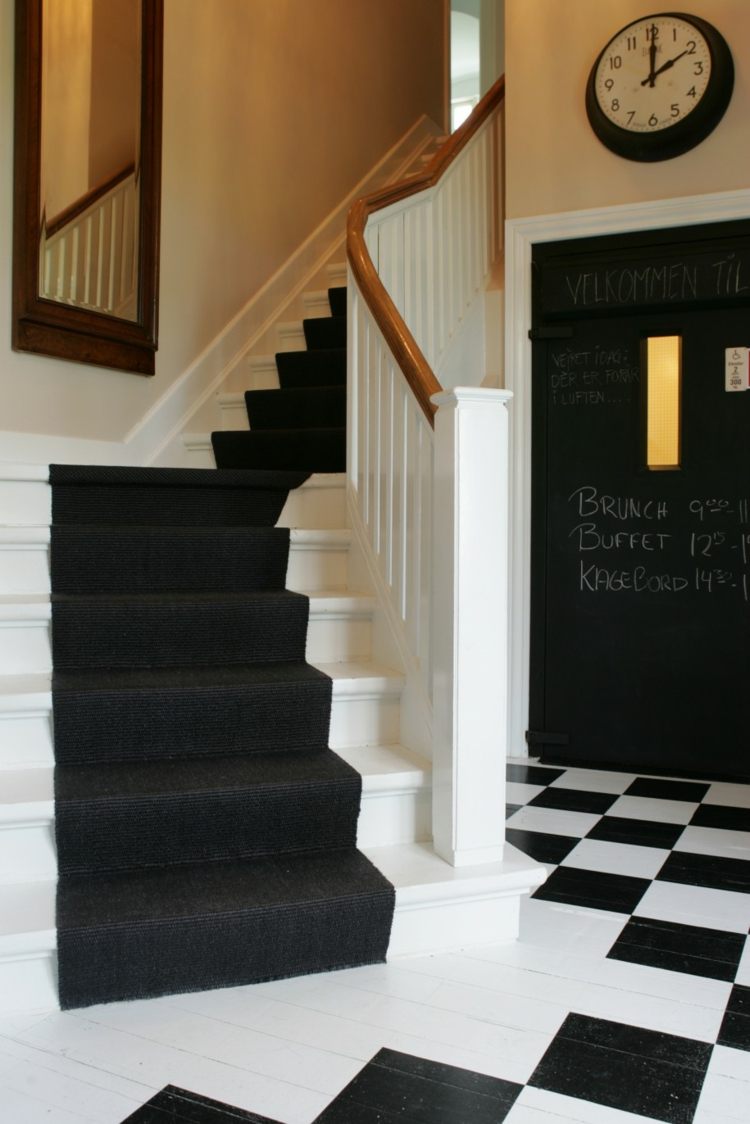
[616, 858]
[715, 841]
[726, 1062]
[516, 792]
[592, 780]
[696, 905]
[554, 822]
[650, 808]
[616, 974]
[564, 928]
[723, 1100]
[728, 794]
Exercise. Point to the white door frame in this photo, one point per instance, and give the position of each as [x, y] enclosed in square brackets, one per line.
[520, 236]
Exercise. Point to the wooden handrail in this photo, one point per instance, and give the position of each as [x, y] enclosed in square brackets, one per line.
[74, 210]
[415, 368]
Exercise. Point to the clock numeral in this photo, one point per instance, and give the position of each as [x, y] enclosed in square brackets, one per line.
[691, 46]
[691, 92]
[698, 68]
[631, 115]
[675, 109]
[615, 62]
[632, 42]
[652, 32]
[615, 104]
[609, 84]
[653, 120]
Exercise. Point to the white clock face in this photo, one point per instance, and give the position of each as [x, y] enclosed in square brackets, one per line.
[653, 74]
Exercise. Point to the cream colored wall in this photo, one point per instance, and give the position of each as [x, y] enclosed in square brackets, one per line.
[554, 161]
[273, 110]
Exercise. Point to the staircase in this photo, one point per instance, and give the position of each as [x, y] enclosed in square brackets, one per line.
[364, 719]
[437, 906]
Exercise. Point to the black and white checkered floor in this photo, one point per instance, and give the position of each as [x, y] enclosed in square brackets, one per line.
[627, 998]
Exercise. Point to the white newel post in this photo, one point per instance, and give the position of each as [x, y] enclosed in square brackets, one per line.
[470, 615]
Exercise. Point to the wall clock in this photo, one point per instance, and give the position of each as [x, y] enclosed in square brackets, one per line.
[659, 86]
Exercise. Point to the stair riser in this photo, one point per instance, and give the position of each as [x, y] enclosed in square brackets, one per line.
[315, 507]
[24, 569]
[26, 649]
[25, 503]
[26, 738]
[122, 834]
[291, 337]
[234, 413]
[29, 983]
[316, 568]
[438, 923]
[27, 851]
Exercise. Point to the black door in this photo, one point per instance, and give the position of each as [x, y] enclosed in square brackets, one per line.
[641, 576]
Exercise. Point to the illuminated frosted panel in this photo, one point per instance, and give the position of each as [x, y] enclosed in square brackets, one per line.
[663, 384]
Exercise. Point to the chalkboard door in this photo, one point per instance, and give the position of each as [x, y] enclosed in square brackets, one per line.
[641, 578]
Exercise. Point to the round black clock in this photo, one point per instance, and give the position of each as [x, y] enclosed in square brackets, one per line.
[660, 86]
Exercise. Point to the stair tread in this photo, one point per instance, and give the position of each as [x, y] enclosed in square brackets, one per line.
[28, 535]
[33, 691]
[212, 478]
[199, 775]
[33, 607]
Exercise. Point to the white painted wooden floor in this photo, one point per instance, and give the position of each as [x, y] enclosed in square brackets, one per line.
[286, 1049]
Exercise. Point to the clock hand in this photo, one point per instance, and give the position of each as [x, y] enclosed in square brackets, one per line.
[651, 58]
[663, 67]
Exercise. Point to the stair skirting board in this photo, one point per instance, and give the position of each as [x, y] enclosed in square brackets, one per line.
[438, 908]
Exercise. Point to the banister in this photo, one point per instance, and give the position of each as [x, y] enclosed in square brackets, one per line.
[415, 368]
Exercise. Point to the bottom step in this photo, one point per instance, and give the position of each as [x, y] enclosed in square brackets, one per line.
[438, 907]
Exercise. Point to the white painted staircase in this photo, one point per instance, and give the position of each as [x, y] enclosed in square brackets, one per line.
[437, 906]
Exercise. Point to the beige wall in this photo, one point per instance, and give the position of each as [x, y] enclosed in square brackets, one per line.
[554, 161]
[273, 110]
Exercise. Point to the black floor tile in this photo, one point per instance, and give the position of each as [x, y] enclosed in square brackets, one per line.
[717, 873]
[692, 791]
[511, 809]
[593, 889]
[178, 1106]
[532, 774]
[679, 948]
[396, 1087]
[625, 1067]
[735, 1028]
[716, 815]
[573, 800]
[541, 846]
[641, 833]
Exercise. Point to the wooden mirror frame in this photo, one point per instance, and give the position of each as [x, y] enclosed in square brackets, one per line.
[48, 327]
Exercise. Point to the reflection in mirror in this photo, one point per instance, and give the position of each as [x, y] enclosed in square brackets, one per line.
[87, 180]
[89, 176]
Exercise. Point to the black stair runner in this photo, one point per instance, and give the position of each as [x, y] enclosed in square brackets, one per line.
[205, 831]
[303, 424]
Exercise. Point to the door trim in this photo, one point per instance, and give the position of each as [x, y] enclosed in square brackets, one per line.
[520, 235]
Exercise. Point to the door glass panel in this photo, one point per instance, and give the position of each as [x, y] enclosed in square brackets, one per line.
[663, 363]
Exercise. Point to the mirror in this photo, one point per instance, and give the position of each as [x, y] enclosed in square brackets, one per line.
[87, 180]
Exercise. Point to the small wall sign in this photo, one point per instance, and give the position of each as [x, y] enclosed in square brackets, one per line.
[736, 368]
